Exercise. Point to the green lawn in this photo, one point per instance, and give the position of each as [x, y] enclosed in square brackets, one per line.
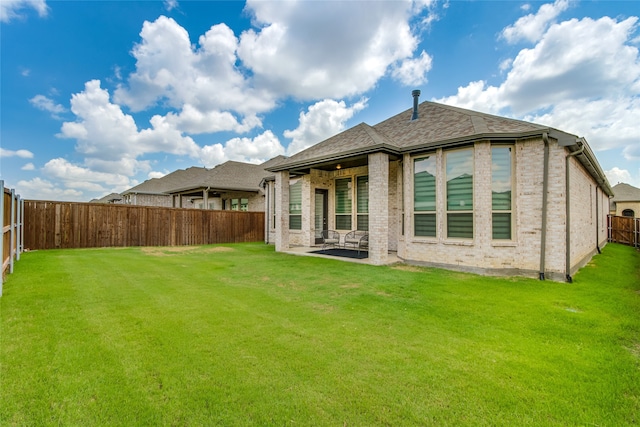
[239, 335]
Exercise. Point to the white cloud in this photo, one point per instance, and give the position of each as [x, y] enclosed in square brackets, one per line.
[194, 121]
[43, 103]
[532, 27]
[315, 50]
[322, 120]
[413, 71]
[606, 123]
[10, 9]
[110, 140]
[170, 4]
[582, 77]
[28, 167]
[250, 150]
[156, 174]
[79, 177]
[42, 189]
[25, 154]
[204, 83]
[617, 175]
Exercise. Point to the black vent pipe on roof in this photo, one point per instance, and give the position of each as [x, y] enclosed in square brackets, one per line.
[416, 95]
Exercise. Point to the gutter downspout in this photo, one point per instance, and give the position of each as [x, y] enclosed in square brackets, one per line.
[597, 223]
[568, 211]
[545, 186]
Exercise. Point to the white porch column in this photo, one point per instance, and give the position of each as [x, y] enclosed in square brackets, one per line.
[205, 199]
[282, 211]
[378, 208]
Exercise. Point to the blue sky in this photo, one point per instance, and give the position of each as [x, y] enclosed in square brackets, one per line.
[98, 96]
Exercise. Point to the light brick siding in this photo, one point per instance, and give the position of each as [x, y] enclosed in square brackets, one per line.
[521, 255]
[620, 206]
[282, 211]
[378, 208]
[256, 200]
[148, 200]
[395, 208]
[586, 224]
[391, 184]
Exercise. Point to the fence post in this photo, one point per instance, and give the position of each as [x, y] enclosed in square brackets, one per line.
[21, 226]
[13, 230]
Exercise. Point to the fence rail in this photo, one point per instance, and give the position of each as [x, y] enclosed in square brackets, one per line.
[66, 225]
[625, 230]
[12, 208]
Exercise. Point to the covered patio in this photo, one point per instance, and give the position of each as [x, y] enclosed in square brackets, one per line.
[311, 251]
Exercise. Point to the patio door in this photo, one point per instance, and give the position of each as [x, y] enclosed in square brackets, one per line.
[321, 213]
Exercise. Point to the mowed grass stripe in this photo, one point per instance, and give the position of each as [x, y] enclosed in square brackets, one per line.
[240, 335]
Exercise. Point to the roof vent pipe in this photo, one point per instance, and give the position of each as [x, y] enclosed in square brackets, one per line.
[416, 95]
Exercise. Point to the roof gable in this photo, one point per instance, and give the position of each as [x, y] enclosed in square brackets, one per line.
[625, 193]
[175, 179]
[360, 138]
[437, 125]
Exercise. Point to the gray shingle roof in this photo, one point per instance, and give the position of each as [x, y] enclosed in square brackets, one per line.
[108, 198]
[176, 179]
[437, 124]
[626, 193]
[232, 175]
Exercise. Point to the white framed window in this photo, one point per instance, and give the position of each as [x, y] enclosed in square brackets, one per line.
[362, 203]
[501, 192]
[424, 196]
[345, 208]
[459, 178]
[343, 205]
[295, 205]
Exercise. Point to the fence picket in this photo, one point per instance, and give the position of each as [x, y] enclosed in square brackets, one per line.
[65, 225]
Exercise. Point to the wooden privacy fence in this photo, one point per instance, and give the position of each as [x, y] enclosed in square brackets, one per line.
[625, 230]
[62, 225]
[12, 208]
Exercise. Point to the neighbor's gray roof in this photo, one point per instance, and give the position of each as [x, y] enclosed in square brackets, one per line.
[625, 193]
[176, 179]
[232, 175]
[108, 198]
[436, 126]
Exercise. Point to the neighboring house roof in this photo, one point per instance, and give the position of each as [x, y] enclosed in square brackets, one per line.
[232, 176]
[176, 179]
[437, 126]
[625, 193]
[109, 198]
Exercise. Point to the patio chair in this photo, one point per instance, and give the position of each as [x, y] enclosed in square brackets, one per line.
[358, 239]
[330, 238]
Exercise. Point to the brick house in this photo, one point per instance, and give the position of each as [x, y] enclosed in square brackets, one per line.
[448, 187]
[228, 186]
[155, 191]
[626, 201]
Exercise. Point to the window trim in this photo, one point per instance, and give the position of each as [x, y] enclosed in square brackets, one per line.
[358, 214]
[296, 215]
[352, 187]
[511, 211]
[414, 211]
[447, 211]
